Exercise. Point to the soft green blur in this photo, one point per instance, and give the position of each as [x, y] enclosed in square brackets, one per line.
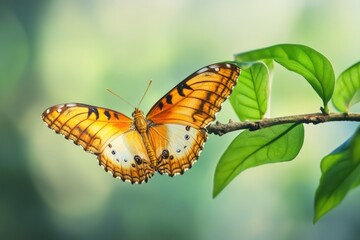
[70, 51]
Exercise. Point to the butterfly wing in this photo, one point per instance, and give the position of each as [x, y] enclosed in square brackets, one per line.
[105, 133]
[180, 117]
[177, 147]
[197, 99]
[126, 157]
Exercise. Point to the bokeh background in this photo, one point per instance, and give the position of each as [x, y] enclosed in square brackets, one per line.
[55, 52]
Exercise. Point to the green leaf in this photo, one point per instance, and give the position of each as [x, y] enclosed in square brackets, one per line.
[347, 88]
[307, 62]
[250, 96]
[253, 148]
[340, 173]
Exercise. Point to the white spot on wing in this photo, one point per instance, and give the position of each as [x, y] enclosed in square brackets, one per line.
[202, 70]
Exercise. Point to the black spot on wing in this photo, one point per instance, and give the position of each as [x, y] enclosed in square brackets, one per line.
[168, 99]
[165, 154]
[116, 116]
[161, 105]
[137, 159]
[107, 114]
[93, 110]
[180, 88]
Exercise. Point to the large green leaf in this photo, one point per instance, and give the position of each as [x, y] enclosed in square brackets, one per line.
[252, 148]
[347, 88]
[312, 65]
[250, 96]
[340, 173]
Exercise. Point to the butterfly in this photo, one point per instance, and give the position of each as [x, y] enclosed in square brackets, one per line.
[167, 140]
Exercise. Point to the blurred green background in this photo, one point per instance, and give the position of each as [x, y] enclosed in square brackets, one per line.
[55, 52]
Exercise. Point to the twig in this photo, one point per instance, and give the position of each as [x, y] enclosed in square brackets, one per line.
[314, 118]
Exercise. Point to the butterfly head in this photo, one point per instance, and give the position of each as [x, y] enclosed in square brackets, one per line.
[137, 113]
[139, 121]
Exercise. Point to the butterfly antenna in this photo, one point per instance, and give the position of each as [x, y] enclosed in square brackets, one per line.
[144, 93]
[120, 97]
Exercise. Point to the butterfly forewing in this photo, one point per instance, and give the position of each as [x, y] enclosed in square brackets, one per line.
[88, 126]
[197, 99]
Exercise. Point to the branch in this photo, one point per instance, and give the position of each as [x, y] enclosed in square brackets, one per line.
[314, 118]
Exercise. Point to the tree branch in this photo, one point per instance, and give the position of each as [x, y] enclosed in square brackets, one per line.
[314, 118]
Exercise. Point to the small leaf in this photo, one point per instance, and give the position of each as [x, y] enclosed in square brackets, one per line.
[307, 62]
[253, 148]
[347, 88]
[250, 96]
[340, 173]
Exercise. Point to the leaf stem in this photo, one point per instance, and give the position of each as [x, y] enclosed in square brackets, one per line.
[314, 118]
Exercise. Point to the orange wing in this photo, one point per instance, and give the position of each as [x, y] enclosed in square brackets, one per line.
[179, 118]
[197, 99]
[106, 133]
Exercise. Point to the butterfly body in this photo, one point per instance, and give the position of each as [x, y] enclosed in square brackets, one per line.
[168, 139]
[142, 125]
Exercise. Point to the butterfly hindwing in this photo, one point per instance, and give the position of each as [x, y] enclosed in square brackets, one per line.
[125, 157]
[177, 147]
